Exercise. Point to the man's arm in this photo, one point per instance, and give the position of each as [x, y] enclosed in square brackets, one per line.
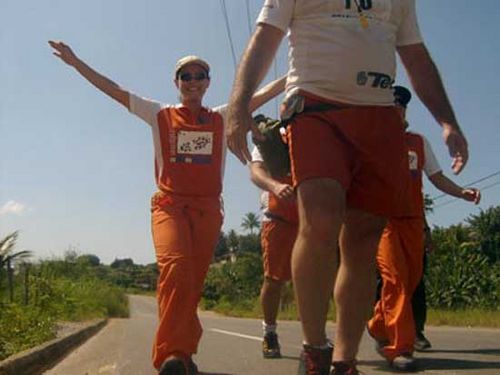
[443, 183]
[266, 93]
[261, 177]
[254, 65]
[104, 84]
[426, 81]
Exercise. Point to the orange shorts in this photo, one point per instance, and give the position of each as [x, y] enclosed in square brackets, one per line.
[277, 239]
[361, 147]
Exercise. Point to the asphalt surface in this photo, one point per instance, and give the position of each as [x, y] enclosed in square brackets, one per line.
[232, 346]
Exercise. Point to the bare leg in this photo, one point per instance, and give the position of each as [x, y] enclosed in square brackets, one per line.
[270, 296]
[321, 212]
[356, 283]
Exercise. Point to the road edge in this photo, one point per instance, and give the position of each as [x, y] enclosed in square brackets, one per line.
[35, 360]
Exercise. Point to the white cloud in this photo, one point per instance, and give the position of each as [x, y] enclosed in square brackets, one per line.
[12, 207]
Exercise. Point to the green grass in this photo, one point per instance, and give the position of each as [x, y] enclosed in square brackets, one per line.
[23, 328]
[58, 299]
[435, 317]
[464, 318]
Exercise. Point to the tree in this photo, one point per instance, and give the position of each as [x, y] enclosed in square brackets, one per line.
[7, 253]
[122, 263]
[8, 256]
[485, 232]
[250, 222]
[250, 243]
[233, 241]
[89, 259]
[222, 248]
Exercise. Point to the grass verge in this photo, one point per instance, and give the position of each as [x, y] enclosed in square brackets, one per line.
[435, 317]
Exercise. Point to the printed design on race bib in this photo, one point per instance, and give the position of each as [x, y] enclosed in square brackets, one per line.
[194, 147]
[194, 142]
[413, 162]
[371, 9]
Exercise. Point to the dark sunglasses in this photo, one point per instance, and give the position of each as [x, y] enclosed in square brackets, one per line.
[188, 77]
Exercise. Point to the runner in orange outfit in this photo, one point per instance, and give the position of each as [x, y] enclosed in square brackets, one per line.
[186, 211]
[400, 252]
[279, 230]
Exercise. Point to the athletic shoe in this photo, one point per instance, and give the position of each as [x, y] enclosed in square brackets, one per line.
[379, 347]
[315, 361]
[344, 368]
[379, 343]
[421, 343]
[404, 362]
[271, 346]
[178, 366]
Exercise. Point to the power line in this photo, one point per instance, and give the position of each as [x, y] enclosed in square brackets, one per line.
[455, 199]
[248, 17]
[472, 183]
[228, 31]
[276, 107]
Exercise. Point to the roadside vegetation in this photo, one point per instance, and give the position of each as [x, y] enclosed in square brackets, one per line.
[35, 296]
[462, 281]
[462, 278]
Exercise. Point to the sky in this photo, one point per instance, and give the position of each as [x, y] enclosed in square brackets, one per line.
[76, 169]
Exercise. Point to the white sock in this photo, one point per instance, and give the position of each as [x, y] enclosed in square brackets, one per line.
[268, 328]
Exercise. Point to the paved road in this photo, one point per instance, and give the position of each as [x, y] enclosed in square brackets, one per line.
[231, 346]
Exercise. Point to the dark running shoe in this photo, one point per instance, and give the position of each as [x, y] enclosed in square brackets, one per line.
[345, 368]
[379, 343]
[379, 347]
[271, 346]
[404, 362]
[421, 343]
[315, 361]
[178, 366]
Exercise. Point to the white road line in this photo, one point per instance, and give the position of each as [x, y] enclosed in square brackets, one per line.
[236, 334]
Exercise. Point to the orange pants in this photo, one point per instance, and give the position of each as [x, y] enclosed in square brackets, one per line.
[185, 232]
[399, 260]
[277, 240]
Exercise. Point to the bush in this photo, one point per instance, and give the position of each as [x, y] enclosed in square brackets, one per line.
[234, 282]
[462, 277]
[23, 328]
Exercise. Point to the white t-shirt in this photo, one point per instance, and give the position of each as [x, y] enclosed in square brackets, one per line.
[431, 164]
[256, 155]
[331, 55]
[147, 109]
[264, 195]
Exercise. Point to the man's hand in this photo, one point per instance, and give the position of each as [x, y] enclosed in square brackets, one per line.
[283, 191]
[471, 195]
[64, 52]
[457, 147]
[239, 122]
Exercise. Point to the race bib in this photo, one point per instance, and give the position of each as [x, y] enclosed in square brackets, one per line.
[413, 160]
[195, 142]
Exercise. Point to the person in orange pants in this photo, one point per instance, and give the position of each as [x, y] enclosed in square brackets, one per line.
[400, 252]
[279, 231]
[186, 211]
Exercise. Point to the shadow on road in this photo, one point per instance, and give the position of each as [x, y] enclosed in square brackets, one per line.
[466, 351]
[439, 364]
[455, 364]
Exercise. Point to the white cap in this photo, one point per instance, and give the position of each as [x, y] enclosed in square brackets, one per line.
[191, 59]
